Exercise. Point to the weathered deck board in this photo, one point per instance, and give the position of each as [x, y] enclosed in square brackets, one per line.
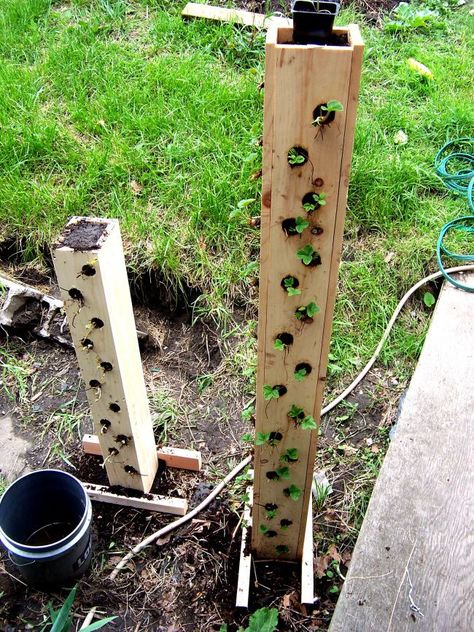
[420, 518]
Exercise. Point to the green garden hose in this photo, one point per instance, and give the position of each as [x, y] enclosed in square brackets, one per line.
[456, 170]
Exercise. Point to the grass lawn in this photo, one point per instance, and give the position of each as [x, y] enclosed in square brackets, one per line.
[120, 109]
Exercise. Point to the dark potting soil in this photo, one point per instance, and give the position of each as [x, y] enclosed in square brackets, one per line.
[83, 235]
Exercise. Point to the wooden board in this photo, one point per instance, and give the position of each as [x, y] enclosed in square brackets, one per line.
[94, 286]
[153, 502]
[245, 562]
[307, 565]
[298, 78]
[419, 523]
[173, 457]
[221, 14]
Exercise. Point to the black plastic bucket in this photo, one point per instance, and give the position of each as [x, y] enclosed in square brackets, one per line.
[45, 525]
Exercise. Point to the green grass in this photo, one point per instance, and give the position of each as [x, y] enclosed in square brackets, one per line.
[118, 108]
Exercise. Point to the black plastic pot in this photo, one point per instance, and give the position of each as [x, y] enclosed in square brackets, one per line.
[45, 525]
[313, 20]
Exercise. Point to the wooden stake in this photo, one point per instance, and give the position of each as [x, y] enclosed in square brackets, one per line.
[298, 79]
[90, 268]
[243, 580]
[238, 16]
[307, 571]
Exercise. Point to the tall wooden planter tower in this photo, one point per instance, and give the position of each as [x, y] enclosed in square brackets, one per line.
[307, 156]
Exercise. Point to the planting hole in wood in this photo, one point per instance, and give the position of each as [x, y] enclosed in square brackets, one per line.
[106, 366]
[76, 294]
[281, 389]
[271, 507]
[297, 157]
[282, 341]
[294, 226]
[87, 344]
[105, 425]
[115, 408]
[275, 437]
[88, 270]
[313, 201]
[285, 523]
[130, 470]
[270, 534]
[113, 451]
[272, 476]
[97, 323]
[322, 115]
[122, 439]
[317, 230]
[95, 384]
[290, 285]
[302, 370]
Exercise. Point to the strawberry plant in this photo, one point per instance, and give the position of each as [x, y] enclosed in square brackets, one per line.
[305, 313]
[309, 256]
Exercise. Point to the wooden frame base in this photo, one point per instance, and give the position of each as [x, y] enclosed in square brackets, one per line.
[173, 457]
[245, 563]
[152, 502]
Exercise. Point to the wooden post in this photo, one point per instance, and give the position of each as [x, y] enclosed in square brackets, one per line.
[298, 80]
[90, 268]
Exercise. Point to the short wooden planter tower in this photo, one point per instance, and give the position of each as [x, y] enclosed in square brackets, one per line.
[90, 267]
[307, 157]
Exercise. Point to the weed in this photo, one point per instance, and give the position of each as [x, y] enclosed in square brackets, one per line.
[3, 484]
[15, 374]
[410, 17]
[165, 412]
[62, 618]
[428, 299]
[262, 620]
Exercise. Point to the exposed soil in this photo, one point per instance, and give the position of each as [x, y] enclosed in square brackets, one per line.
[83, 235]
[187, 581]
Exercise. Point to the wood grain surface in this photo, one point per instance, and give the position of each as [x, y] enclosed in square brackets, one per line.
[418, 530]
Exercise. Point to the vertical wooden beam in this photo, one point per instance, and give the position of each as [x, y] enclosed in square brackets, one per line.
[90, 268]
[298, 79]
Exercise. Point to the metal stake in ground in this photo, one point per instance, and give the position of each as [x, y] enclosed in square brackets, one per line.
[90, 267]
[310, 103]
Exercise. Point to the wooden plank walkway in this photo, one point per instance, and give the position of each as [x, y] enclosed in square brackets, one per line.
[416, 545]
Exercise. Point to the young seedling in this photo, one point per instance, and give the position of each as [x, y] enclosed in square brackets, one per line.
[270, 514]
[289, 283]
[315, 201]
[309, 256]
[306, 313]
[290, 456]
[273, 392]
[308, 423]
[300, 374]
[297, 156]
[296, 413]
[271, 438]
[293, 492]
[326, 110]
[282, 473]
[279, 345]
